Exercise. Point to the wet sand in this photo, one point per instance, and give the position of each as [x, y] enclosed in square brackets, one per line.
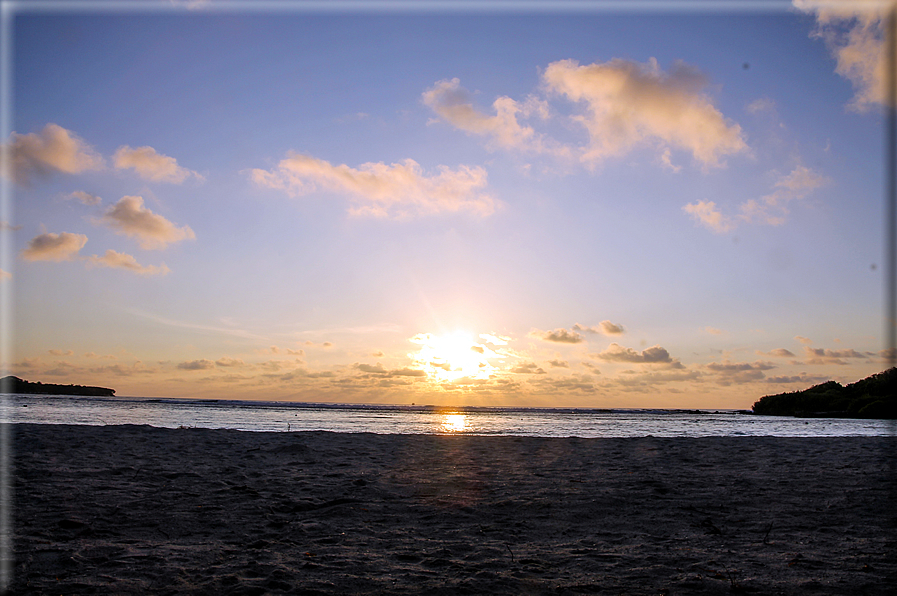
[141, 510]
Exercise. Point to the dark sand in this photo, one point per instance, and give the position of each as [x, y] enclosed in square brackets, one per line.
[141, 510]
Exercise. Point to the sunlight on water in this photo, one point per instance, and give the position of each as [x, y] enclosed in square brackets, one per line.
[453, 423]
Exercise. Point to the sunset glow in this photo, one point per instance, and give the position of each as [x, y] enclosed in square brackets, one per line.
[516, 207]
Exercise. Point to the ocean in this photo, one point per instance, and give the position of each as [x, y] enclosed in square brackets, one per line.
[384, 419]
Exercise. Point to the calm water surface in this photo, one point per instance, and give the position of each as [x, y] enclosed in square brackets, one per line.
[559, 422]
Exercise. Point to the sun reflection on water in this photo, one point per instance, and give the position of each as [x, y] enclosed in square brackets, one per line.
[453, 423]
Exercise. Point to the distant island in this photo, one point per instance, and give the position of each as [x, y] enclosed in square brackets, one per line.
[872, 397]
[12, 384]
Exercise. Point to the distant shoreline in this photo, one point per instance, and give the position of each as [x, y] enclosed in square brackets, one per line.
[16, 385]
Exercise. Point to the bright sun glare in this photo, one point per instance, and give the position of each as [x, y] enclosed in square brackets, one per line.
[452, 357]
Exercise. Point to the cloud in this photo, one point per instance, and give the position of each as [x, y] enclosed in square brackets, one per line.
[130, 218]
[739, 372]
[778, 353]
[5, 275]
[196, 365]
[6, 226]
[770, 209]
[54, 149]
[804, 340]
[452, 103]
[378, 369]
[118, 260]
[150, 165]
[229, 362]
[603, 328]
[61, 352]
[528, 368]
[854, 33]
[54, 247]
[85, 198]
[617, 353]
[713, 331]
[773, 208]
[399, 190]
[825, 356]
[561, 336]
[632, 104]
[707, 214]
[559, 363]
[496, 340]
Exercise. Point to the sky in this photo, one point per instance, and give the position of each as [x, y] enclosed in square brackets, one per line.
[660, 208]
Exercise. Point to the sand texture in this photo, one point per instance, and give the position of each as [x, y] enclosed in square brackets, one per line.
[141, 510]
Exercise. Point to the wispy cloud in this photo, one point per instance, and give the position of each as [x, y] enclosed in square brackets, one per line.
[85, 198]
[604, 328]
[453, 104]
[129, 217]
[770, 209]
[53, 149]
[397, 190]
[117, 260]
[151, 165]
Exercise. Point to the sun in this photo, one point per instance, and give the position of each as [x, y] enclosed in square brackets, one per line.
[453, 356]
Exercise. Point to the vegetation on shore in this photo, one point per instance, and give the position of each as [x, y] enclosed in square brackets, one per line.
[12, 384]
[872, 397]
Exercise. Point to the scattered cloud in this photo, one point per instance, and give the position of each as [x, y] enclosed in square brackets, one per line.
[770, 209]
[378, 369]
[118, 260]
[804, 340]
[453, 104]
[130, 218]
[708, 215]
[854, 33]
[152, 166]
[728, 373]
[196, 365]
[561, 336]
[773, 208]
[618, 353]
[777, 353]
[761, 105]
[713, 331]
[53, 149]
[559, 364]
[527, 368]
[5, 275]
[85, 198]
[824, 356]
[54, 247]
[602, 328]
[61, 352]
[227, 362]
[398, 190]
[7, 227]
[632, 104]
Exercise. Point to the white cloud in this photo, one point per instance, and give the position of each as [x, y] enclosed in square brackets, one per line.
[54, 149]
[150, 165]
[855, 35]
[54, 247]
[117, 260]
[85, 198]
[452, 103]
[708, 215]
[632, 104]
[398, 190]
[130, 218]
[772, 208]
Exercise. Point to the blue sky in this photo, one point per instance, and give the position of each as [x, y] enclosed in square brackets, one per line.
[516, 207]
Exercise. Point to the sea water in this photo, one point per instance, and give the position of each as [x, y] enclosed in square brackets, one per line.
[384, 419]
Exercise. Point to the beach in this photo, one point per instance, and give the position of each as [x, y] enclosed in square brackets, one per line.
[143, 510]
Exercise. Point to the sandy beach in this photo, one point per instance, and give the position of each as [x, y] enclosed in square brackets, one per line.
[142, 510]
